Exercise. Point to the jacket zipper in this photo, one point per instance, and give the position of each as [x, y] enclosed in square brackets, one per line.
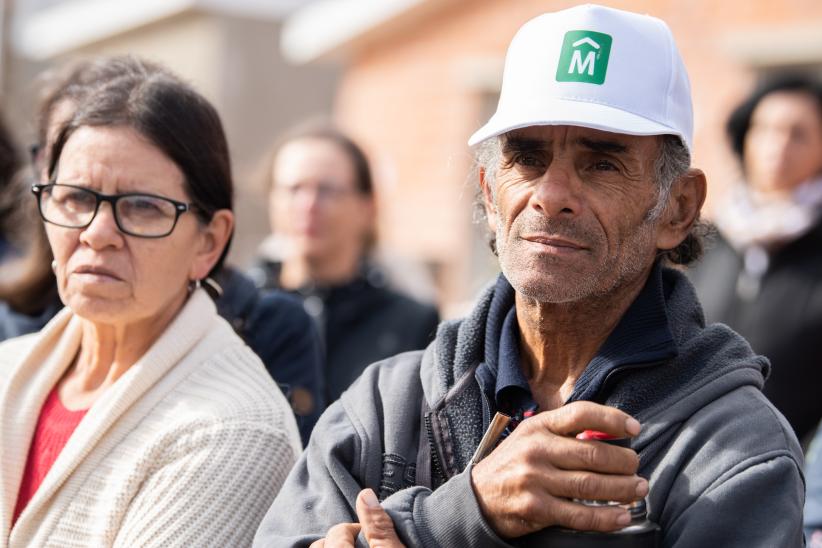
[435, 461]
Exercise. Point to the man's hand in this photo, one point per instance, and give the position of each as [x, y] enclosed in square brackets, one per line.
[525, 484]
[375, 523]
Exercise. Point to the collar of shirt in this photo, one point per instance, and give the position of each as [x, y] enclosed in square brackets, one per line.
[641, 338]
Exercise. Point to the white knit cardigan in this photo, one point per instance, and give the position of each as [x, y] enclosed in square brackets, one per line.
[188, 448]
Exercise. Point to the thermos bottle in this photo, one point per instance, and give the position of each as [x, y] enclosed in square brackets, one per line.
[640, 533]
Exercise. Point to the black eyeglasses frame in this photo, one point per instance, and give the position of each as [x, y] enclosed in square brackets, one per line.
[179, 207]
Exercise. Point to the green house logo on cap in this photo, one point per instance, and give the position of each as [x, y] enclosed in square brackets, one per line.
[584, 57]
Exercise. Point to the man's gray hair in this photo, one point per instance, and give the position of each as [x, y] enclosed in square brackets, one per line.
[673, 162]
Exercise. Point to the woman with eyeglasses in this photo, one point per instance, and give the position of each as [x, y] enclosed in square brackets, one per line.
[137, 417]
[271, 322]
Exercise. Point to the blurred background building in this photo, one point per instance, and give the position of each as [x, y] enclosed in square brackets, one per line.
[228, 49]
[410, 79]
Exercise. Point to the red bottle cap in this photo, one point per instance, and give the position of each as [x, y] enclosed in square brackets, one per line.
[595, 435]
[602, 436]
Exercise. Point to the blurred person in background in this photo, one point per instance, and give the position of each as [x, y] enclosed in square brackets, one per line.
[764, 275]
[272, 323]
[323, 211]
[137, 416]
[28, 294]
[9, 163]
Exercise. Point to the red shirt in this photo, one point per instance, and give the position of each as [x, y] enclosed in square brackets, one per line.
[54, 428]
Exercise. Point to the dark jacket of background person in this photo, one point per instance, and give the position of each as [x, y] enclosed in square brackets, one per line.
[277, 329]
[361, 322]
[783, 321]
[813, 499]
[14, 323]
[724, 468]
[763, 275]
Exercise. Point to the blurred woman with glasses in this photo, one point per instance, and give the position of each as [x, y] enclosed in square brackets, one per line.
[137, 416]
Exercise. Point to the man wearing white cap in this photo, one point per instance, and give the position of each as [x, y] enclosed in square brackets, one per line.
[584, 171]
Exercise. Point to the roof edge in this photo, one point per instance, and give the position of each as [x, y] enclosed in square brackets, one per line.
[69, 26]
[326, 28]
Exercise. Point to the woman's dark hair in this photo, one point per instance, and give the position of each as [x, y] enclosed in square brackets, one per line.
[9, 159]
[25, 280]
[174, 118]
[9, 165]
[739, 121]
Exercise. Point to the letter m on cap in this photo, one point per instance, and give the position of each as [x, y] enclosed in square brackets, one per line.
[584, 57]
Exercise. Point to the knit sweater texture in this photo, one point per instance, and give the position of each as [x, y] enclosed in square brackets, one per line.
[188, 448]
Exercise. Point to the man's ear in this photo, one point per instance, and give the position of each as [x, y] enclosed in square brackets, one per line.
[488, 201]
[684, 204]
[214, 238]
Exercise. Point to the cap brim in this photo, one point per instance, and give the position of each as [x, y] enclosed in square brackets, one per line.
[565, 112]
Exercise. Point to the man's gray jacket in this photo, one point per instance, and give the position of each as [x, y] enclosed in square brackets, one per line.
[723, 465]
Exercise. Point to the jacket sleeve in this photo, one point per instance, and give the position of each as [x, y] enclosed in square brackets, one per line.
[813, 501]
[757, 505]
[322, 488]
[343, 457]
[286, 340]
[448, 516]
[209, 487]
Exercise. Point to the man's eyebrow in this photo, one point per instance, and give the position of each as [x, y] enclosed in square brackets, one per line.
[520, 144]
[602, 145]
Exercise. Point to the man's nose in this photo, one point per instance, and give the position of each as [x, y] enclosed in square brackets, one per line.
[556, 193]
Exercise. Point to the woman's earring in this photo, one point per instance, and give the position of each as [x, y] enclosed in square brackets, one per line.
[214, 286]
[54, 266]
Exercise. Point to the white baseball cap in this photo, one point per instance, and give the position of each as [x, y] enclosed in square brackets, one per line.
[594, 67]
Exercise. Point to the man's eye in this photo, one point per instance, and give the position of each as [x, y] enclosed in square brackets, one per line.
[528, 159]
[604, 165]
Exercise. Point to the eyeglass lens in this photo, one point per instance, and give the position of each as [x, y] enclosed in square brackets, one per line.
[137, 214]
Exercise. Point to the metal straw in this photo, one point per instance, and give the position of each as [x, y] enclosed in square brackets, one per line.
[491, 436]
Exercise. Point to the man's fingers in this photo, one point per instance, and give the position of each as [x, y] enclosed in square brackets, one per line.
[343, 535]
[592, 486]
[572, 454]
[376, 523]
[575, 417]
[596, 456]
[588, 518]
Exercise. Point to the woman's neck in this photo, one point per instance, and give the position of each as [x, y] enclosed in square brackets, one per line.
[107, 351]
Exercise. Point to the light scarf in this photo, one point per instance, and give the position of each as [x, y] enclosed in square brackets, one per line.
[749, 218]
[755, 224]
